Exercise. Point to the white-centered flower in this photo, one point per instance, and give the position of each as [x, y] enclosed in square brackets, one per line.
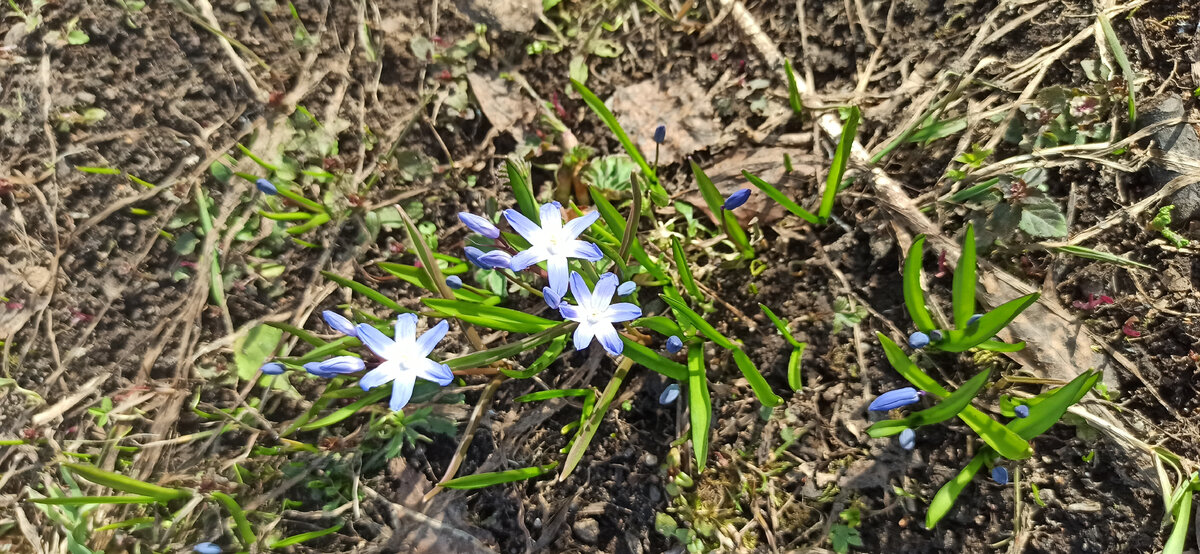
[596, 314]
[553, 243]
[404, 358]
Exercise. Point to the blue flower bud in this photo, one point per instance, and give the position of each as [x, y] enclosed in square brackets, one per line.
[893, 399]
[918, 340]
[266, 187]
[315, 369]
[338, 323]
[342, 364]
[736, 199]
[908, 439]
[495, 259]
[674, 344]
[974, 319]
[479, 224]
[1000, 475]
[552, 298]
[473, 254]
[669, 394]
[935, 335]
[207, 548]
[626, 288]
[454, 282]
[660, 134]
[273, 368]
[1022, 411]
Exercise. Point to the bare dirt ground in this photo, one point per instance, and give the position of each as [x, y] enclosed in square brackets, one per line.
[115, 351]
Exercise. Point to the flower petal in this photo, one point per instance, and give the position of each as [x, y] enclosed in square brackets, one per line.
[577, 226]
[431, 337]
[521, 224]
[586, 250]
[527, 258]
[479, 224]
[583, 336]
[552, 298]
[430, 370]
[551, 215]
[579, 288]
[556, 270]
[406, 328]
[383, 373]
[402, 388]
[609, 338]
[378, 342]
[622, 311]
[569, 312]
[603, 293]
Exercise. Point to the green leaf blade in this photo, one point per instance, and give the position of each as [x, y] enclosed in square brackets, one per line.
[781, 198]
[963, 293]
[841, 160]
[914, 295]
[699, 402]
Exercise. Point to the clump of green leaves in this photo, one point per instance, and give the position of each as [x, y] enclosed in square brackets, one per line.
[1061, 116]
[1017, 201]
[1162, 222]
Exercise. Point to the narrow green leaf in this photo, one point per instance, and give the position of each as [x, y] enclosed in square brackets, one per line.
[793, 89]
[366, 291]
[1183, 518]
[542, 362]
[959, 340]
[738, 235]
[244, 530]
[698, 322]
[302, 537]
[374, 395]
[481, 480]
[616, 224]
[484, 357]
[653, 360]
[914, 295]
[98, 170]
[946, 409]
[1114, 44]
[610, 120]
[781, 198]
[795, 377]
[699, 403]
[492, 317]
[552, 393]
[592, 424]
[251, 351]
[85, 500]
[1000, 346]
[841, 159]
[685, 271]
[712, 196]
[761, 389]
[659, 324]
[963, 293]
[420, 278]
[973, 191]
[428, 260]
[518, 179]
[125, 484]
[946, 496]
[781, 326]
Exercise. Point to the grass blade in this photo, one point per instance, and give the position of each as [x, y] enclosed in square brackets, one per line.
[244, 530]
[518, 179]
[1110, 36]
[781, 198]
[963, 294]
[1052, 407]
[125, 484]
[685, 271]
[481, 480]
[597, 105]
[794, 376]
[841, 158]
[712, 196]
[737, 234]
[653, 360]
[946, 496]
[492, 317]
[761, 389]
[485, 357]
[659, 324]
[420, 278]
[588, 431]
[959, 340]
[1183, 517]
[946, 409]
[698, 322]
[914, 296]
[1090, 254]
[552, 393]
[542, 362]
[781, 326]
[374, 395]
[793, 89]
[367, 292]
[302, 537]
[699, 402]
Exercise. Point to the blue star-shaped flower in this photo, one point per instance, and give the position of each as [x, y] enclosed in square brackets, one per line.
[404, 358]
[553, 243]
[596, 314]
